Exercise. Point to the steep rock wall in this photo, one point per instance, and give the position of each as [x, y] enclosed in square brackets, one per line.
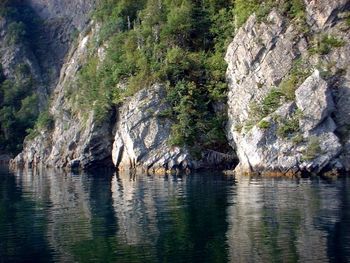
[142, 138]
[303, 130]
[60, 22]
[135, 137]
[76, 139]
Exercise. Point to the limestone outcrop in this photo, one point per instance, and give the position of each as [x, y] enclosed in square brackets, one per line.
[142, 138]
[288, 99]
[77, 139]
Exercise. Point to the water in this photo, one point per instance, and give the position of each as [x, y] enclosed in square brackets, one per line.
[50, 216]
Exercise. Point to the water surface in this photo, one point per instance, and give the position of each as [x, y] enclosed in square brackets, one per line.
[52, 216]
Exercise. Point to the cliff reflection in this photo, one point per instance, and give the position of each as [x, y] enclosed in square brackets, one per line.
[135, 208]
[67, 204]
[175, 219]
[277, 220]
[108, 217]
[50, 215]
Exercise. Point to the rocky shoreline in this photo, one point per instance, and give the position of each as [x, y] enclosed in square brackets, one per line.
[288, 107]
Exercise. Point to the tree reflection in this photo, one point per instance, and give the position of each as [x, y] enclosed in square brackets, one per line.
[50, 215]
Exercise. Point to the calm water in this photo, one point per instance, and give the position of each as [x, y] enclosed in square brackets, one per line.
[50, 216]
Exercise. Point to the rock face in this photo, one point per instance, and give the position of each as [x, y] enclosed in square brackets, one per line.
[323, 13]
[288, 101]
[13, 55]
[136, 139]
[60, 22]
[306, 130]
[75, 12]
[75, 141]
[142, 135]
[315, 101]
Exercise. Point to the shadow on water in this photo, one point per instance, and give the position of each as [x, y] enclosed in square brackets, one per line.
[22, 224]
[52, 216]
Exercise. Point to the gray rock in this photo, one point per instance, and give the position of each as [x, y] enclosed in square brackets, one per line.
[315, 101]
[77, 12]
[323, 13]
[330, 149]
[142, 135]
[74, 140]
[258, 58]
[272, 48]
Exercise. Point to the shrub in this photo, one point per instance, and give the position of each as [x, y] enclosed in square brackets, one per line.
[297, 75]
[45, 121]
[243, 9]
[264, 124]
[16, 32]
[271, 101]
[287, 127]
[325, 45]
[312, 150]
[295, 9]
[298, 138]
[181, 43]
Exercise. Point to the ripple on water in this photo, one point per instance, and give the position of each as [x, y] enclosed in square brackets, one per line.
[49, 216]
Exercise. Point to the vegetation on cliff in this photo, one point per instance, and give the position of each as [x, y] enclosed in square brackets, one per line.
[180, 43]
[18, 101]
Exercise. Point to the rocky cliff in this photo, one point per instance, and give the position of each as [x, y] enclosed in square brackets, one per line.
[35, 37]
[74, 140]
[135, 135]
[289, 91]
[288, 101]
[142, 138]
[51, 27]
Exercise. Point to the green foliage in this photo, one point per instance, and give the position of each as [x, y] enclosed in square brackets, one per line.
[270, 103]
[44, 121]
[325, 44]
[299, 72]
[263, 124]
[277, 96]
[293, 9]
[18, 102]
[243, 9]
[22, 23]
[312, 150]
[18, 109]
[298, 138]
[15, 33]
[289, 126]
[181, 43]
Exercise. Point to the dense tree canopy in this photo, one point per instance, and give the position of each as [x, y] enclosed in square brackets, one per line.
[177, 42]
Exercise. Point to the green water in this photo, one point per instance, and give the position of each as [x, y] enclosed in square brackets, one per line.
[51, 216]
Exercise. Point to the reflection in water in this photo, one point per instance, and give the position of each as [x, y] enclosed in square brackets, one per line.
[66, 201]
[274, 220]
[135, 209]
[51, 216]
